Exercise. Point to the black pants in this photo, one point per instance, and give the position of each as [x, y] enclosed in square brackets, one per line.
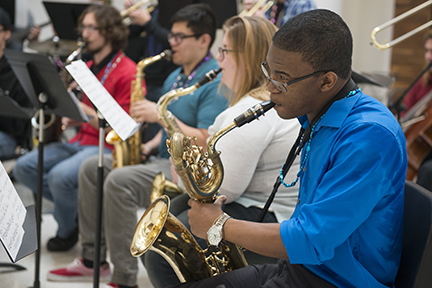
[283, 274]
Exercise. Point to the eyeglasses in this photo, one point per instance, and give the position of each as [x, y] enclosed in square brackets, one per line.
[178, 38]
[89, 28]
[282, 86]
[222, 52]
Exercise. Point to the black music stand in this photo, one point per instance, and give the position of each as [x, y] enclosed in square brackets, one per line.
[64, 17]
[10, 108]
[40, 80]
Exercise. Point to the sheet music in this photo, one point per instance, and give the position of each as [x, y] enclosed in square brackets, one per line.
[12, 215]
[116, 117]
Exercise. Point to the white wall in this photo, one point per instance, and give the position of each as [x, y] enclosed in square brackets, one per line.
[362, 16]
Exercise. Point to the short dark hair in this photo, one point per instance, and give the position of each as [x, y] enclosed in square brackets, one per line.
[200, 19]
[323, 39]
[110, 24]
[5, 19]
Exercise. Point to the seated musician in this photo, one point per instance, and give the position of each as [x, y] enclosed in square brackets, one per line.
[14, 132]
[102, 28]
[251, 154]
[420, 90]
[129, 187]
[346, 230]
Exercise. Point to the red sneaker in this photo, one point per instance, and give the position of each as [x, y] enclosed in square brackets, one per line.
[113, 285]
[78, 272]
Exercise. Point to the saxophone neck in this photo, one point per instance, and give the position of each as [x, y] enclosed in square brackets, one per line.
[166, 54]
[211, 145]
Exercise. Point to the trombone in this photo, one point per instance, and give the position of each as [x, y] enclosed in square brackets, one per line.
[397, 19]
[150, 5]
[260, 4]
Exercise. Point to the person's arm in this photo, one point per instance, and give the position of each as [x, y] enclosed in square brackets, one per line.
[261, 238]
[145, 110]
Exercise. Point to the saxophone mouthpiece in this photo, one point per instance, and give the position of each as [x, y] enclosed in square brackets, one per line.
[253, 113]
[167, 54]
[208, 77]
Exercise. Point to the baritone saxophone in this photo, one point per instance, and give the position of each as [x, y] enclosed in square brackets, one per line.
[128, 152]
[201, 174]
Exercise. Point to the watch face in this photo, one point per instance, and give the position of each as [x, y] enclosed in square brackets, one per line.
[214, 236]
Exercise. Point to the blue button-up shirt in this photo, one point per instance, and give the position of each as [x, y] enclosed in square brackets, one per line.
[347, 227]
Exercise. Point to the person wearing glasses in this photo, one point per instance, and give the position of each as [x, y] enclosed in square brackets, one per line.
[102, 28]
[251, 154]
[128, 188]
[346, 230]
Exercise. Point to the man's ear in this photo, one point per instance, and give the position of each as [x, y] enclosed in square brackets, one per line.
[205, 40]
[8, 34]
[328, 81]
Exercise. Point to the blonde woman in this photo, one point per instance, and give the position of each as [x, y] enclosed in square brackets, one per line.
[251, 155]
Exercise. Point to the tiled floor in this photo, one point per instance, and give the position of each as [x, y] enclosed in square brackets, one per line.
[48, 260]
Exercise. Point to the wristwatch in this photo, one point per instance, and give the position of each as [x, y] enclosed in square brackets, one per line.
[214, 234]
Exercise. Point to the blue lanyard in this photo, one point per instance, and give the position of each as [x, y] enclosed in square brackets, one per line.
[107, 69]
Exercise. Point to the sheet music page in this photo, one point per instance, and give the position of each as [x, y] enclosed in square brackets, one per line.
[116, 117]
[12, 215]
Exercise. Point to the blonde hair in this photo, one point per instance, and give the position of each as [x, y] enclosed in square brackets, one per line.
[250, 38]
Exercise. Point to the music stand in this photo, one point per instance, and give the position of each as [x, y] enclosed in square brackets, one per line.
[10, 108]
[41, 81]
[64, 17]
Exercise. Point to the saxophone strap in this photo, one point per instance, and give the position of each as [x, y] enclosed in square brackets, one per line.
[302, 139]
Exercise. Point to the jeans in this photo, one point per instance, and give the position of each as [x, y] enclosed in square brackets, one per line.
[160, 272]
[61, 162]
[7, 146]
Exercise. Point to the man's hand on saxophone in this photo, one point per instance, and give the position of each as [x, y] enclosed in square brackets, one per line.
[203, 215]
[144, 111]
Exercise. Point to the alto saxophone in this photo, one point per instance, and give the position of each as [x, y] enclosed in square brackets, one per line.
[202, 174]
[128, 152]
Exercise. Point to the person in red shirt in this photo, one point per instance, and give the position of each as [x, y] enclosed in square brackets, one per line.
[424, 84]
[106, 36]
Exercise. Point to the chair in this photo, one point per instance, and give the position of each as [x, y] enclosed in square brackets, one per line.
[415, 269]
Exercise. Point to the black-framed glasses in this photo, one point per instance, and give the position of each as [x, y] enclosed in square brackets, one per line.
[178, 38]
[89, 28]
[282, 86]
[222, 52]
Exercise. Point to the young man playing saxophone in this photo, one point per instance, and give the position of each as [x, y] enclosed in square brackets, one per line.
[346, 230]
[128, 188]
[102, 28]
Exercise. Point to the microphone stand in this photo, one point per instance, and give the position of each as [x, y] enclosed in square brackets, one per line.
[100, 180]
[397, 104]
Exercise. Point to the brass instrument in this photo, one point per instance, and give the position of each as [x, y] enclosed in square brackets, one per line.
[162, 186]
[129, 152]
[77, 52]
[160, 231]
[171, 125]
[260, 4]
[396, 20]
[150, 5]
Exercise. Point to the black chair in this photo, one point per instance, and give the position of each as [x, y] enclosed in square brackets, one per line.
[415, 269]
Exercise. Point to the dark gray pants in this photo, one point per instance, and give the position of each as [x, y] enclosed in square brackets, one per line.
[283, 274]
